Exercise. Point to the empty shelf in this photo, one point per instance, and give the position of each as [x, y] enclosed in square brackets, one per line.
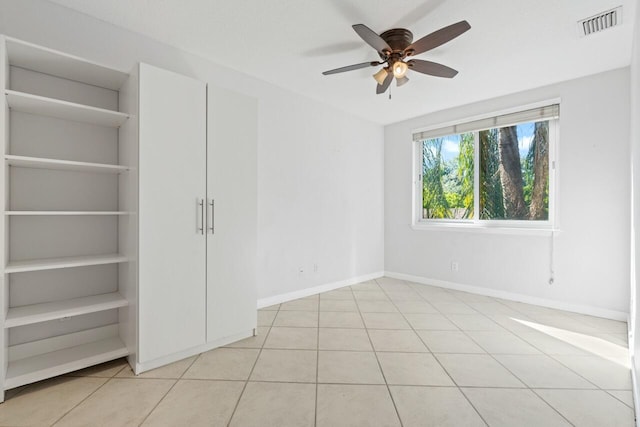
[47, 365]
[36, 313]
[42, 163]
[35, 104]
[66, 262]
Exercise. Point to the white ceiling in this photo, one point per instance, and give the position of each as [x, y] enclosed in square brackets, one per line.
[513, 45]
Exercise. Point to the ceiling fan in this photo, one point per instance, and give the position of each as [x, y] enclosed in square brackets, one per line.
[395, 45]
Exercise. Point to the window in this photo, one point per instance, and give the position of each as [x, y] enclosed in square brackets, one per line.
[493, 171]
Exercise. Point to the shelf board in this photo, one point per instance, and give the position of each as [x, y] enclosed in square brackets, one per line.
[47, 365]
[70, 165]
[65, 262]
[59, 64]
[44, 312]
[35, 104]
[65, 213]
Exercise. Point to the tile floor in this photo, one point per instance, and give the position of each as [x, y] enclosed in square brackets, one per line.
[380, 353]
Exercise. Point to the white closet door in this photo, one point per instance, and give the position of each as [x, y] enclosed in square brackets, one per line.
[232, 185]
[172, 254]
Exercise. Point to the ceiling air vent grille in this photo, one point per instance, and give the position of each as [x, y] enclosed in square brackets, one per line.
[601, 21]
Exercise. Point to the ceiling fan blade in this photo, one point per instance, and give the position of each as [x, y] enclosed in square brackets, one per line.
[351, 67]
[431, 68]
[437, 38]
[371, 38]
[385, 84]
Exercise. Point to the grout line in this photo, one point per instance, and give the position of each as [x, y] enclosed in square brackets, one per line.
[170, 388]
[438, 361]
[244, 387]
[384, 377]
[315, 412]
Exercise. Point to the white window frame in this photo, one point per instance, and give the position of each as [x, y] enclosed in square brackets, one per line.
[482, 225]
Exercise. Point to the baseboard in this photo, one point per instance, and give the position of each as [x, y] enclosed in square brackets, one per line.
[576, 308]
[289, 296]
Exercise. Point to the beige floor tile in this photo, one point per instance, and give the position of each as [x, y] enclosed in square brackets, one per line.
[355, 405]
[501, 342]
[413, 369]
[223, 364]
[403, 341]
[603, 373]
[474, 322]
[477, 370]
[334, 319]
[390, 281]
[469, 297]
[550, 345]
[303, 304]
[517, 324]
[370, 296]
[274, 307]
[252, 342]
[434, 407]
[292, 338]
[541, 371]
[435, 297]
[344, 339]
[509, 407]
[306, 319]
[338, 294]
[606, 326]
[276, 404]
[265, 318]
[103, 370]
[449, 342]
[402, 295]
[385, 321]
[454, 308]
[372, 306]
[366, 286]
[432, 322]
[173, 370]
[349, 367]
[120, 402]
[45, 402]
[625, 396]
[589, 408]
[197, 403]
[493, 308]
[286, 366]
[338, 305]
[416, 306]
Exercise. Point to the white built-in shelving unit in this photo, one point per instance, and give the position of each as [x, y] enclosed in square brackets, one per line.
[69, 204]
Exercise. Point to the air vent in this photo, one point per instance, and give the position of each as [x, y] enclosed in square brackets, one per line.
[600, 22]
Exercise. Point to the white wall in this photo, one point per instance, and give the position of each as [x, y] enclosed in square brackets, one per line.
[635, 208]
[320, 184]
[592, 248]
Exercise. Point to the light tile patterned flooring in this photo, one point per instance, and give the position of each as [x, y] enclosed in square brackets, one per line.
[380, 353]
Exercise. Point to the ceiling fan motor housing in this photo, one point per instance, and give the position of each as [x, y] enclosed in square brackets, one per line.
[398, 39]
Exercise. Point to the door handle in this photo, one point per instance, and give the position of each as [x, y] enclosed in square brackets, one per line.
[200, 208]
[210, 225]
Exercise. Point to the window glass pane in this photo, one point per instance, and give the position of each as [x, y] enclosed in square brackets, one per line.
[447, 177]
[514, 172]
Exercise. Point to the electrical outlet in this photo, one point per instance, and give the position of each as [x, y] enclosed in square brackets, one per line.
[455, 266]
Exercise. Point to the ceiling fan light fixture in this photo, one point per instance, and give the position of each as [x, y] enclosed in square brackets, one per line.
[402, 80]
[380, 76]
[400, 69]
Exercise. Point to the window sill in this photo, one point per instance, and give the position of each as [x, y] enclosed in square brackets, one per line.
[480, 228]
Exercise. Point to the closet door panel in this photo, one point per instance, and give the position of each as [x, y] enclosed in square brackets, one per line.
[172, 251]
[232, 185]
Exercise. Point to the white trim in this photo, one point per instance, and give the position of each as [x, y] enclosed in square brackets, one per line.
[512, 296]
[443, 226]
[165, 360]
[289, 296]
[635, 391]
